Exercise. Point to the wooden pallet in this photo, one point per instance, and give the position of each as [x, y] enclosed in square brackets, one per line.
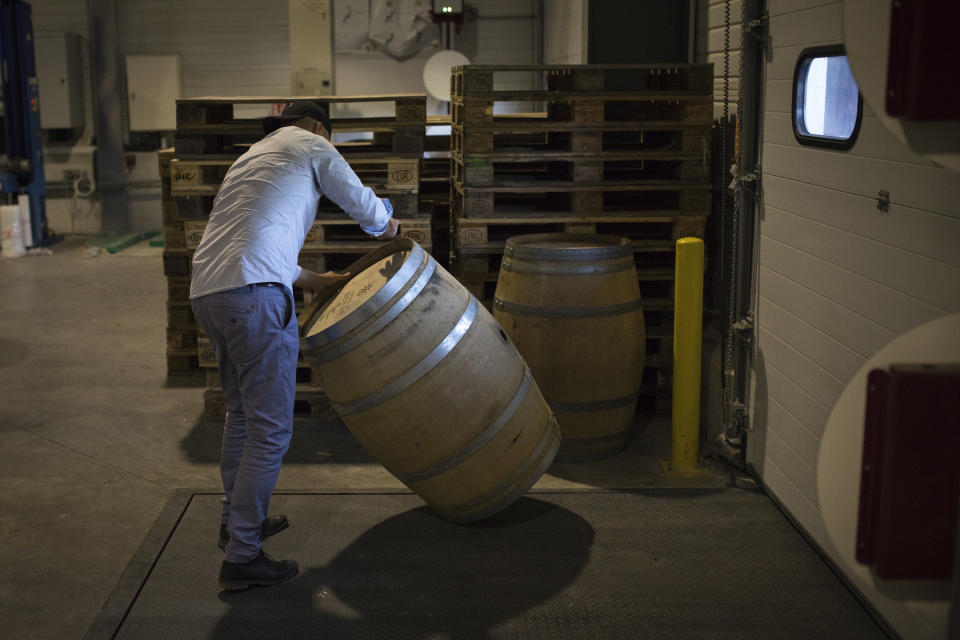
[182, 331]
[178, 208]
[309, 401]
[180, 316]
[206, 112]
[176, 263]
[178, 290]
[384, 174]
[174, 236]
[653, 235]
[183, 364]
[164, 158]
[208, 126]
[534, 133]
[657, 311]
[435, 178]
[182, 339]
[305, 376]
[522, 199]
[481, 80]
[328, 235]
[610, 168]
[602, 110]
[231, 143]
[207, 360]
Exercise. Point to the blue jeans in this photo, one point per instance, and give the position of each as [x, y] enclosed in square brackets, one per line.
[254, 334]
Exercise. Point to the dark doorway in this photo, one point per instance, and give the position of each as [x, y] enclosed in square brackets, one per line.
[638, 32]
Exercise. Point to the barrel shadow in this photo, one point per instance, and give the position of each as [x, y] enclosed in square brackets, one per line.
[417, 576]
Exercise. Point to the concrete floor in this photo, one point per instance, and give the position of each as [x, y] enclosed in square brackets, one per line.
[95, 440]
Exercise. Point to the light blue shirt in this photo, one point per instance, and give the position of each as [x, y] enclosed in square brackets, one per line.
[267, 205]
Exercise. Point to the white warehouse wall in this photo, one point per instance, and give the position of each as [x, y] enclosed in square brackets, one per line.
[238, 47]
[837, 279]
[241, 47]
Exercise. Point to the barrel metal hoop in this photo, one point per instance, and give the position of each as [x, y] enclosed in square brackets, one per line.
[338, 349]
[368, 309]
[602, 405]
[518, 309]
[566, 269]
[483, 438]
[544, 453]
[419, 370]
[572, 255]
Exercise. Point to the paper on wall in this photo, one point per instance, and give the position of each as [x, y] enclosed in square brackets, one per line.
[402, 28]
[351, 28]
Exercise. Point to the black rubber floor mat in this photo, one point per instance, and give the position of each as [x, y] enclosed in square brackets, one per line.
[647, 564]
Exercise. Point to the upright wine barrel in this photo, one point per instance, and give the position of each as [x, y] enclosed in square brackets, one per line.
[430, 384]
[571, 304]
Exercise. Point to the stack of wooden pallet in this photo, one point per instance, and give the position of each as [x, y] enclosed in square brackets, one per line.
[182, 331]
[435, 183]
[213, 132]
[621, 149]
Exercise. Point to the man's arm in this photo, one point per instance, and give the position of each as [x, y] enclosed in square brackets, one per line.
[341, 185]
[319, 281]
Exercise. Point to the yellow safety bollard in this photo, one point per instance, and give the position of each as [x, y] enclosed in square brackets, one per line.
[687, 343]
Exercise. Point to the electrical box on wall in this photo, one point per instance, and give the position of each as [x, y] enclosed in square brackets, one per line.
[447, 7]
[60, 79]
[153, 87]
[313, 83]
[311, 47]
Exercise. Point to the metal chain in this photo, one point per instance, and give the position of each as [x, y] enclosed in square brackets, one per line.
[729, 373]
[724, 173]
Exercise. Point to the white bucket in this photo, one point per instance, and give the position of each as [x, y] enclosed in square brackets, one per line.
[11, 232]
[23, 201]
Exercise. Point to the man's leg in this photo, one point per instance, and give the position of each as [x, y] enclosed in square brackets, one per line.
[234, 435]
[234, 427]
[263, 345]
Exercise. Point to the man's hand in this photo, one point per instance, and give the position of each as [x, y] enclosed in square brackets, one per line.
[317, 282]
[392, 227]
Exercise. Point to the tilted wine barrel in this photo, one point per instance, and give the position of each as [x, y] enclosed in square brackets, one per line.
[430, 384]
[571, 304]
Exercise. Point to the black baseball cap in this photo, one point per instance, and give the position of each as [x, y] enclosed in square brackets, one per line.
[296, 110]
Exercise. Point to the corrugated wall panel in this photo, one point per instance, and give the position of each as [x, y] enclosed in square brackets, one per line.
[913, 185]
[934, 236]
[836, 358]
[799, 404]
[858, 333]
[226, 47]
[874, 141]
[837, 278]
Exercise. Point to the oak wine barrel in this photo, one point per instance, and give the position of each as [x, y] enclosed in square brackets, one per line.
[429, 383]
[571, 304]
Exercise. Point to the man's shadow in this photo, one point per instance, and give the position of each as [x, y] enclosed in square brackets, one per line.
[416, 576]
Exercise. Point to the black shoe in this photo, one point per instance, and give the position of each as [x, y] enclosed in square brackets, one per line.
[269, 527]
[262, 571]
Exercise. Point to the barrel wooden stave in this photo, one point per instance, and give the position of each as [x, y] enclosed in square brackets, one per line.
[462, 435]
[583, 361]
[511, 459]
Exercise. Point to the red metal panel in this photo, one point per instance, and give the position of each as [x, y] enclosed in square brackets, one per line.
[910, 479]
[924, 66]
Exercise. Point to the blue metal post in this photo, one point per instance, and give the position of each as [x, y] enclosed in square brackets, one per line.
[22, 143]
